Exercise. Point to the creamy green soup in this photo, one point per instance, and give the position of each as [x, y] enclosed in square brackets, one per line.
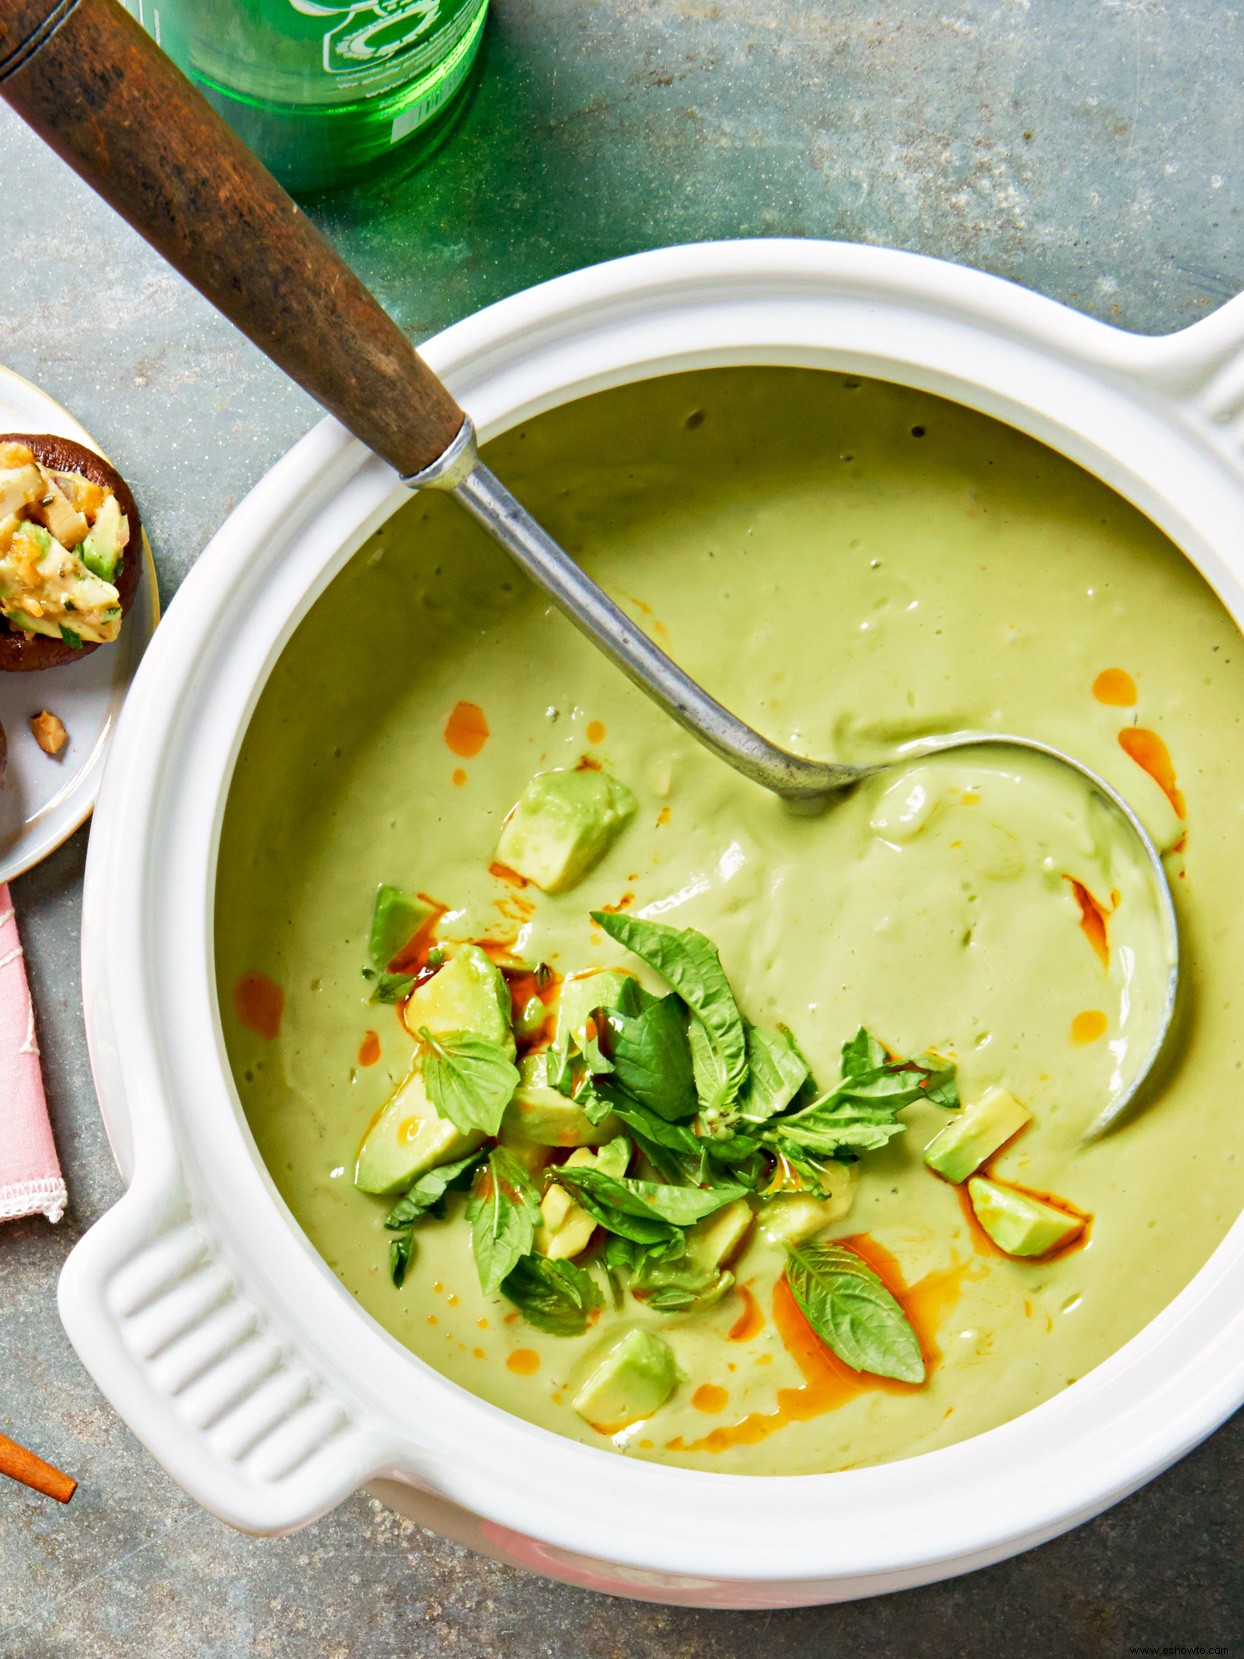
[847, 564]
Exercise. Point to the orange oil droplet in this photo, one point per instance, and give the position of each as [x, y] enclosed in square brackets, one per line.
[663, 817]
[710, 1397]
[524, 1362]
[259, 1003]
[1088, 1026]
[466, 730]
[369, 1048]
[1093, 919]
[459, 777]
[595, 731]
[477, 1353]
[1149, 752]
[1116, 687]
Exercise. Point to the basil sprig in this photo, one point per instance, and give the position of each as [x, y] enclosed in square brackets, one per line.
[860, 1114]
[469, 1080]
[852, 1312]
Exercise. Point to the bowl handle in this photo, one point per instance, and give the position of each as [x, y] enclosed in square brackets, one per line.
[1201, 368]
[200, 1374]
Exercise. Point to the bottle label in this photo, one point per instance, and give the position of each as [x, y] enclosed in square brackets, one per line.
[369, 41]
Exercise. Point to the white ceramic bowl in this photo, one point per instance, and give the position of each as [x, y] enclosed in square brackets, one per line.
[197, 1304]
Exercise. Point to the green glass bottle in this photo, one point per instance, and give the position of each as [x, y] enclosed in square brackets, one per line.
[321, 89]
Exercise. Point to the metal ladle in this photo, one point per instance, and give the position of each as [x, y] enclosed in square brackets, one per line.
[91, 82]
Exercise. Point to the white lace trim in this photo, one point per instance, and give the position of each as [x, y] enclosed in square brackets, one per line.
[46, 1196]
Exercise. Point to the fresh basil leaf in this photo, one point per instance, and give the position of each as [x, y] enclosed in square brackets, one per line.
[554, 1296]
[390, 987]
[776, 1071]
[428, 1190]
[504, 1212]
[401, 1249]
[691, 965]
[469, 1080]
[650, 1126]
[708, 1067]
[862, 1053]
[852, 1312]
[651, 1059]
[645, 1201]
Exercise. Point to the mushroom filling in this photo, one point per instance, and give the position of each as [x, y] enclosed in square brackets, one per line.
[62, 538]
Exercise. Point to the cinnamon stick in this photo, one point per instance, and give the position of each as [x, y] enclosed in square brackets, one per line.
[24, 1466]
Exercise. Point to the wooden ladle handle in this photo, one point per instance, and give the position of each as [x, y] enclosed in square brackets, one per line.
[92, 82]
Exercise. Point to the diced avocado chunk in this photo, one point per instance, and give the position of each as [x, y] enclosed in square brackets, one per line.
[548, 1117]
[395, 919]
[407, 1139]
[976, 1134]
[562, 824]
[631, 1379]
[565, 1229]
[713, 1242]
[581, 993]
[792, 1217]
[468, 994]
[1018, 1223]
[104, 544]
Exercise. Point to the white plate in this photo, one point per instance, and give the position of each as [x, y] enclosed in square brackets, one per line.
[43, 798]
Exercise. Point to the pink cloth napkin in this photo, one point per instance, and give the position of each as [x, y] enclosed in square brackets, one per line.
[30, 1179]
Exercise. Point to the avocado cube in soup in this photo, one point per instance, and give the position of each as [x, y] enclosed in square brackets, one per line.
[631, 1379]
[409, 1138]
[561, 825]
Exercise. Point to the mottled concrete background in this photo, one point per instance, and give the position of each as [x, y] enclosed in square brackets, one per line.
[1088, 148]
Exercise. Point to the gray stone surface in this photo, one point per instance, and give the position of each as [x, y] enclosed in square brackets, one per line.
[1090, 150]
